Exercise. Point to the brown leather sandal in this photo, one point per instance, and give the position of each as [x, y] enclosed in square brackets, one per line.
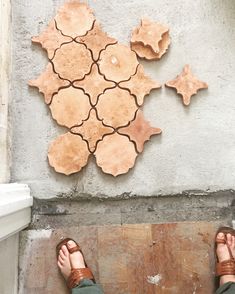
[226, 267]
[77, 274]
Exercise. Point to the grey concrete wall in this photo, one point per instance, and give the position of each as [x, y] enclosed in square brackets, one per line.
[197, 147]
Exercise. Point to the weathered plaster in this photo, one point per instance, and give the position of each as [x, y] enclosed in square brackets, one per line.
[5, 67]
[197, 147]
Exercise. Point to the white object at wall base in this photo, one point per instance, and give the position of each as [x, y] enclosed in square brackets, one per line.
[15, 208]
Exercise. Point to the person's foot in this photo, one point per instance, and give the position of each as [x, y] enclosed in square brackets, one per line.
[63, 262]
[223, 254]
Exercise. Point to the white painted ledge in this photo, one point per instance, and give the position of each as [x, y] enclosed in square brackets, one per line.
[15, 208]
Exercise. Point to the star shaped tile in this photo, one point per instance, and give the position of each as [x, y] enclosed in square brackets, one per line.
[149, 34]
[96, 40]
[140, 85]
[94, 84]
[186, 84]
[51, 39]
[92, 130]
[139, 131]
[48, 83]
[147, 52]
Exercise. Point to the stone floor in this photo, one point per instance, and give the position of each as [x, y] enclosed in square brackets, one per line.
[126, 259]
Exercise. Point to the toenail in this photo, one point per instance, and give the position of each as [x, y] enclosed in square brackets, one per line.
[70, 243]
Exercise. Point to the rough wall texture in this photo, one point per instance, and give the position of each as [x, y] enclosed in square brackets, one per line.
[197, 147]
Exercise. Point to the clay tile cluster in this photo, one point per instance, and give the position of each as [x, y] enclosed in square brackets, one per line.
[150, 40]
[94, 87]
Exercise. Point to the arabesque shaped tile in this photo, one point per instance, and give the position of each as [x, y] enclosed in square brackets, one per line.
[51, 39]
[48, 83]
[146, 51]
[70, 107]
[96, 40]
[72, 61]
[68, 154]
[74, 19]
[94, 84]
[118, 63]
[149, 33]
[139, 131]
[115, 154]
[92, 130]
[116, 107]
[140, 85]
[186, 84]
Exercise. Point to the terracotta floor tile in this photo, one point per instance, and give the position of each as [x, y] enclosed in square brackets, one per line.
[96, 40]
[68, 153]
[118, 63]
[72, 61]
[116, 107]
[122, 256]
[120, 150]
[92, 130]
[149, 33]
[140, 85]
[74, 19]
[139, 131]
[70, 107]
[48, 83]
[186, 84]
[146, 51]
[51, 39]
[94, 84]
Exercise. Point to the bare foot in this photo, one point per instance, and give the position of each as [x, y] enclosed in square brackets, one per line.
[223, 254]
[64, 262]
[76, 258]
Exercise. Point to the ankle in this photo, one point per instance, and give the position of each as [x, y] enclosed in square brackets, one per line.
[226, 279]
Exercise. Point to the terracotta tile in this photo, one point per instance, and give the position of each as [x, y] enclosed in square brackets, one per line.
[92, 130]
[68, 154]
[140, 85]
[48, 83]
[74, 19]
[186, 84]
[120, 150]
[51, 39]
[111, 255]
[146, 51]
[139, 131]
[94, 84]
[96, 40]
[72, 61]
[116, 107]
[70, 107]
[149, 34]
[118, 63]
[139, 252]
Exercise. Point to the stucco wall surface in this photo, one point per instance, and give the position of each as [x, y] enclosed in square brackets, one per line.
[197, 147]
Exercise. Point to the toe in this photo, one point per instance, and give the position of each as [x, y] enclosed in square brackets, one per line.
[65, 250]
[229, 239]
[61, 260]
[59, 264]
[220, 236]
[61, 254]
[71, 244]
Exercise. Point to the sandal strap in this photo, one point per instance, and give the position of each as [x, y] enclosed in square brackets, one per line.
[226, 267]
[77, 275]
[74, 249]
